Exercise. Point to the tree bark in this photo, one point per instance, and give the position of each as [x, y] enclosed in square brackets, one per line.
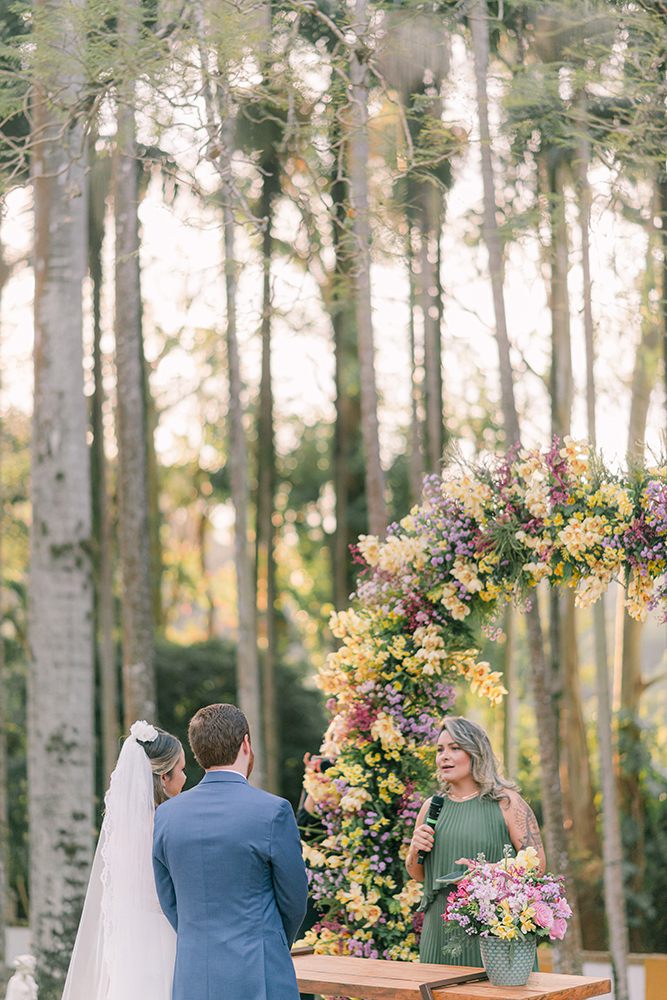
[266, 460]
[619, 942]
[247, 667]
[416, 422]
[511, 701]
[632, 685]
[61, 747]
[559, 304]
[348, 458]
[358, 172]
[102, 522]
[567, 954]
[662, 192]
[429, 218]
[479, 28]
[131, 424]
[579, 797]
[5, 914]
[612, 850]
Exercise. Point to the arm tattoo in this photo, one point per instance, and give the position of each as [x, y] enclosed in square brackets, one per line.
[527, 828]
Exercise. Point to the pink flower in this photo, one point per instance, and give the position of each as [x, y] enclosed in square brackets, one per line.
[558, 929]
[543, 915]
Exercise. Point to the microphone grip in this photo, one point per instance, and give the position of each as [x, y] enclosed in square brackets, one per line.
[421, 855]
[437, 803]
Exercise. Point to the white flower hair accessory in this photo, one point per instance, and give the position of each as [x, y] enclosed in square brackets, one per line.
[143, 731]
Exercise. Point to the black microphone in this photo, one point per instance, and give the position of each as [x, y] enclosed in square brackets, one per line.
[434, 809]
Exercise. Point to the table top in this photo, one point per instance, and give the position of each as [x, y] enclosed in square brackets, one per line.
[368, 979]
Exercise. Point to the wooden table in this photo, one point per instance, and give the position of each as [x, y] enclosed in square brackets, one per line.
[366, 979]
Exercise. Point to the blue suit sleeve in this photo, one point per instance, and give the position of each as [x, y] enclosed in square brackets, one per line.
[166, 893]
[290, 881]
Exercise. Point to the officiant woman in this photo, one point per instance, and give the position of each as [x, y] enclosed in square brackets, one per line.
[482, 812]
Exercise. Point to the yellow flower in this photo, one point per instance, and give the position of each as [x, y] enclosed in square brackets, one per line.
[385, 730]
[354, 798]
[456, 608]
[527, 858]
[471, 494]
[465, 573]
[409, 896]
[526, 919]
[314, 857]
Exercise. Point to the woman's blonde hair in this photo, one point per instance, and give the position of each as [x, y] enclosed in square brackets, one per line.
[484, 766]
[164, 753]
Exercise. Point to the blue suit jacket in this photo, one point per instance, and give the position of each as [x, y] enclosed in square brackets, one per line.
[231, 881]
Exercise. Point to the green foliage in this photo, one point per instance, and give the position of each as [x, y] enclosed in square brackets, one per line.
[655, 839]
[644, 831]
[15, 26]
[190, 677]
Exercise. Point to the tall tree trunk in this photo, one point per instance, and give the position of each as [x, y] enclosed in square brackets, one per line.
[4, 829]
[202, 539]
[416, 422]
[5, 915]
[266, 462]
[133, 514]
[479, 28]
[154, 515]
[430, 220]
[578, 789]
[662, 191]
[632, 685]
[580, 798]
[559, 304]
[358, 172]
[579, 794]
[61, 747]
[348, 457]
[102, 523]
[612, 849]
[247, 666]
[511, 701]
[567, 955]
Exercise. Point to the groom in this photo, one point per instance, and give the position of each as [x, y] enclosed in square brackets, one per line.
[229, 872]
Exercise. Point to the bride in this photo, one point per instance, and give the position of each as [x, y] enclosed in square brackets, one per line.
[125, 947]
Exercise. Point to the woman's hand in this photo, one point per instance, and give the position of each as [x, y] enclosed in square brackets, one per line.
[422, 840]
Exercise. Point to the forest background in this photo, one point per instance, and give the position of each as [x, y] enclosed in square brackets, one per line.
[279, 261]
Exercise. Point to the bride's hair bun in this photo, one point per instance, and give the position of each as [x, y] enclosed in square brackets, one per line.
[143, 731]
[163, 751]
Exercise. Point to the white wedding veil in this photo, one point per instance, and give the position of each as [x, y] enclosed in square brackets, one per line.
[125, 947]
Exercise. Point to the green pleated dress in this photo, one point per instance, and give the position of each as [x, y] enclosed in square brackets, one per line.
[463, 830]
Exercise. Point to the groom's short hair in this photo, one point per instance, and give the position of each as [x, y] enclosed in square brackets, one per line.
[216, 733]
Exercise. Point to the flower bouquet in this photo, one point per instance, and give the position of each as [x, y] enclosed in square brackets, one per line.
[510, 902]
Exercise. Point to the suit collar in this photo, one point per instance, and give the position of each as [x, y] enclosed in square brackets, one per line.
[224, 776]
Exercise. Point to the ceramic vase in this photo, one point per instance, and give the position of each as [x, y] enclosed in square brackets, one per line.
[508, 963]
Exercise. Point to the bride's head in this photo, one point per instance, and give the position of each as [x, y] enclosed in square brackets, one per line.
[167, 759]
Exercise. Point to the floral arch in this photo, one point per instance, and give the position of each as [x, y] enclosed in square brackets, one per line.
[484, 535]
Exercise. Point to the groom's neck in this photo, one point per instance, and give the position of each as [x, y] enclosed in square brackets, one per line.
[237, 768]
